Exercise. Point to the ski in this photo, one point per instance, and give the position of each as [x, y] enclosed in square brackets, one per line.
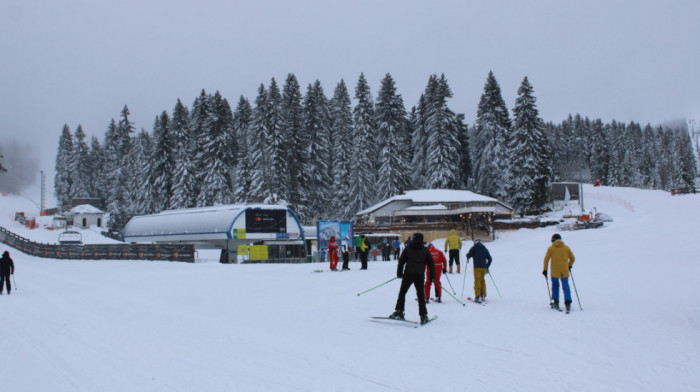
[409, 323]
[482, 303]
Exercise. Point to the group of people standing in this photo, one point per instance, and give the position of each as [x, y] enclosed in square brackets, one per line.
[418, 260]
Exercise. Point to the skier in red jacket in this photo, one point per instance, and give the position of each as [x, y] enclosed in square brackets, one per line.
[440, 265]
[333, 253]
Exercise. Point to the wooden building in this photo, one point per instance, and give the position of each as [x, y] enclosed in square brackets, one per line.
[434, 212]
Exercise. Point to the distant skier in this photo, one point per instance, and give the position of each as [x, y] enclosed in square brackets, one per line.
[357, 242]
[7, 268]
[453, 243]
[482, 263]
[364, 251]
[333, 253]
[411, 268]
[562, 260]
[345, 251]
[397, 248]
[440, 265]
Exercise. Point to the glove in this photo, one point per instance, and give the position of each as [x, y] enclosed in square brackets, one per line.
[544, 273]
[432, 280]
[570, 268]
[399, 275]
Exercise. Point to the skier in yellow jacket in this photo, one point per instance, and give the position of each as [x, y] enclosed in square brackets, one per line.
[453, 243]
[562, 260]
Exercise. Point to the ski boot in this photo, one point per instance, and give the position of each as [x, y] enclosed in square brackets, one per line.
[457, 268]
[568, 306]
[555, 304]
[477, 300]
[397, 315]
[424, 318]
[450, 269]
[439, 299]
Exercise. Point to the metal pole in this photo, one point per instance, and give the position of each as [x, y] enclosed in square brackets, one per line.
[576, 291]
[358, 294]
[463, 304]
[494, 285]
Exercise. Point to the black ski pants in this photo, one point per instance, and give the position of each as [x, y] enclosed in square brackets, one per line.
[346, 260]
[5, 281]
[454, 256]
[363, 259]
[406, 282]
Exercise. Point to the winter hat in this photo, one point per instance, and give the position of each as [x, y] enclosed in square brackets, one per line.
[332, 237]
[556, 237]
[6, 254]
[417, 241]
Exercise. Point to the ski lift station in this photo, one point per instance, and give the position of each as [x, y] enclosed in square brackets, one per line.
[272, 231]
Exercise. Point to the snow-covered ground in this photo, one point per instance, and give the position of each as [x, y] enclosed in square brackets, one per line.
[164, 326]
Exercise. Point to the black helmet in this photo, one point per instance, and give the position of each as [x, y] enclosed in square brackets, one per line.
[556, 237]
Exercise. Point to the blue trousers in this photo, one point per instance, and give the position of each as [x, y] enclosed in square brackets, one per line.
[565, 287]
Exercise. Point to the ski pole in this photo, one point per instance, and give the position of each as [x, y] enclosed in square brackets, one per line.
[13, 281]
[463, 304]
[494, 285]
[576, 291]
[549, 292]
[358, 294]
[448, 281]
[464, 280]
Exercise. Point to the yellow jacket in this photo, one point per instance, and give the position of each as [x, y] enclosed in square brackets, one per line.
[453, 241]
[562, 259]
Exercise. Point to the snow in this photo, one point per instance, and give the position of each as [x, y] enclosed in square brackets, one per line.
[86, 209]
[164, 326]
[432, 196]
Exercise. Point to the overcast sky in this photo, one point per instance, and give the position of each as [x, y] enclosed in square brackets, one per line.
[80, 62]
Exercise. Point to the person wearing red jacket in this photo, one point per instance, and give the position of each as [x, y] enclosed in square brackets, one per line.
[440, 265]
[333, 253]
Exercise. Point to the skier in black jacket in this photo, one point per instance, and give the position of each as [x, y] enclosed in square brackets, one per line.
[7, 268]
[411, 269]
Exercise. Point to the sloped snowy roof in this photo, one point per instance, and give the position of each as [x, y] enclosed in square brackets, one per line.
[86, 209]
[432, 196]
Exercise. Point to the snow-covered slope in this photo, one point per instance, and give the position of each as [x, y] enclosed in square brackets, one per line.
[162, 326]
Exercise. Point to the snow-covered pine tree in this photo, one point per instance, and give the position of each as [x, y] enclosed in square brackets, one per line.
[199, 116]
[686, 169]
[490, 142]
[666, 162]
[183, 192]
[79, 166]
[465, 159]
[443, 141]
[259, 189]
[276, 148]
[419, 142]
[161, 164]
[242, 118]
[110, 163]
[118, 175]
[342, 146]
[615, 133]
[95, 164]
[297, 143]
[62, 179]
[391, 123]
[140, 187]
[217, 160]
[647, 163]
[530, 166]
[600, 155]
[363, 176]
[316, 126]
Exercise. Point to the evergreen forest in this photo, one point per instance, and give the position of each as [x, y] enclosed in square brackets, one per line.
[328, 155]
